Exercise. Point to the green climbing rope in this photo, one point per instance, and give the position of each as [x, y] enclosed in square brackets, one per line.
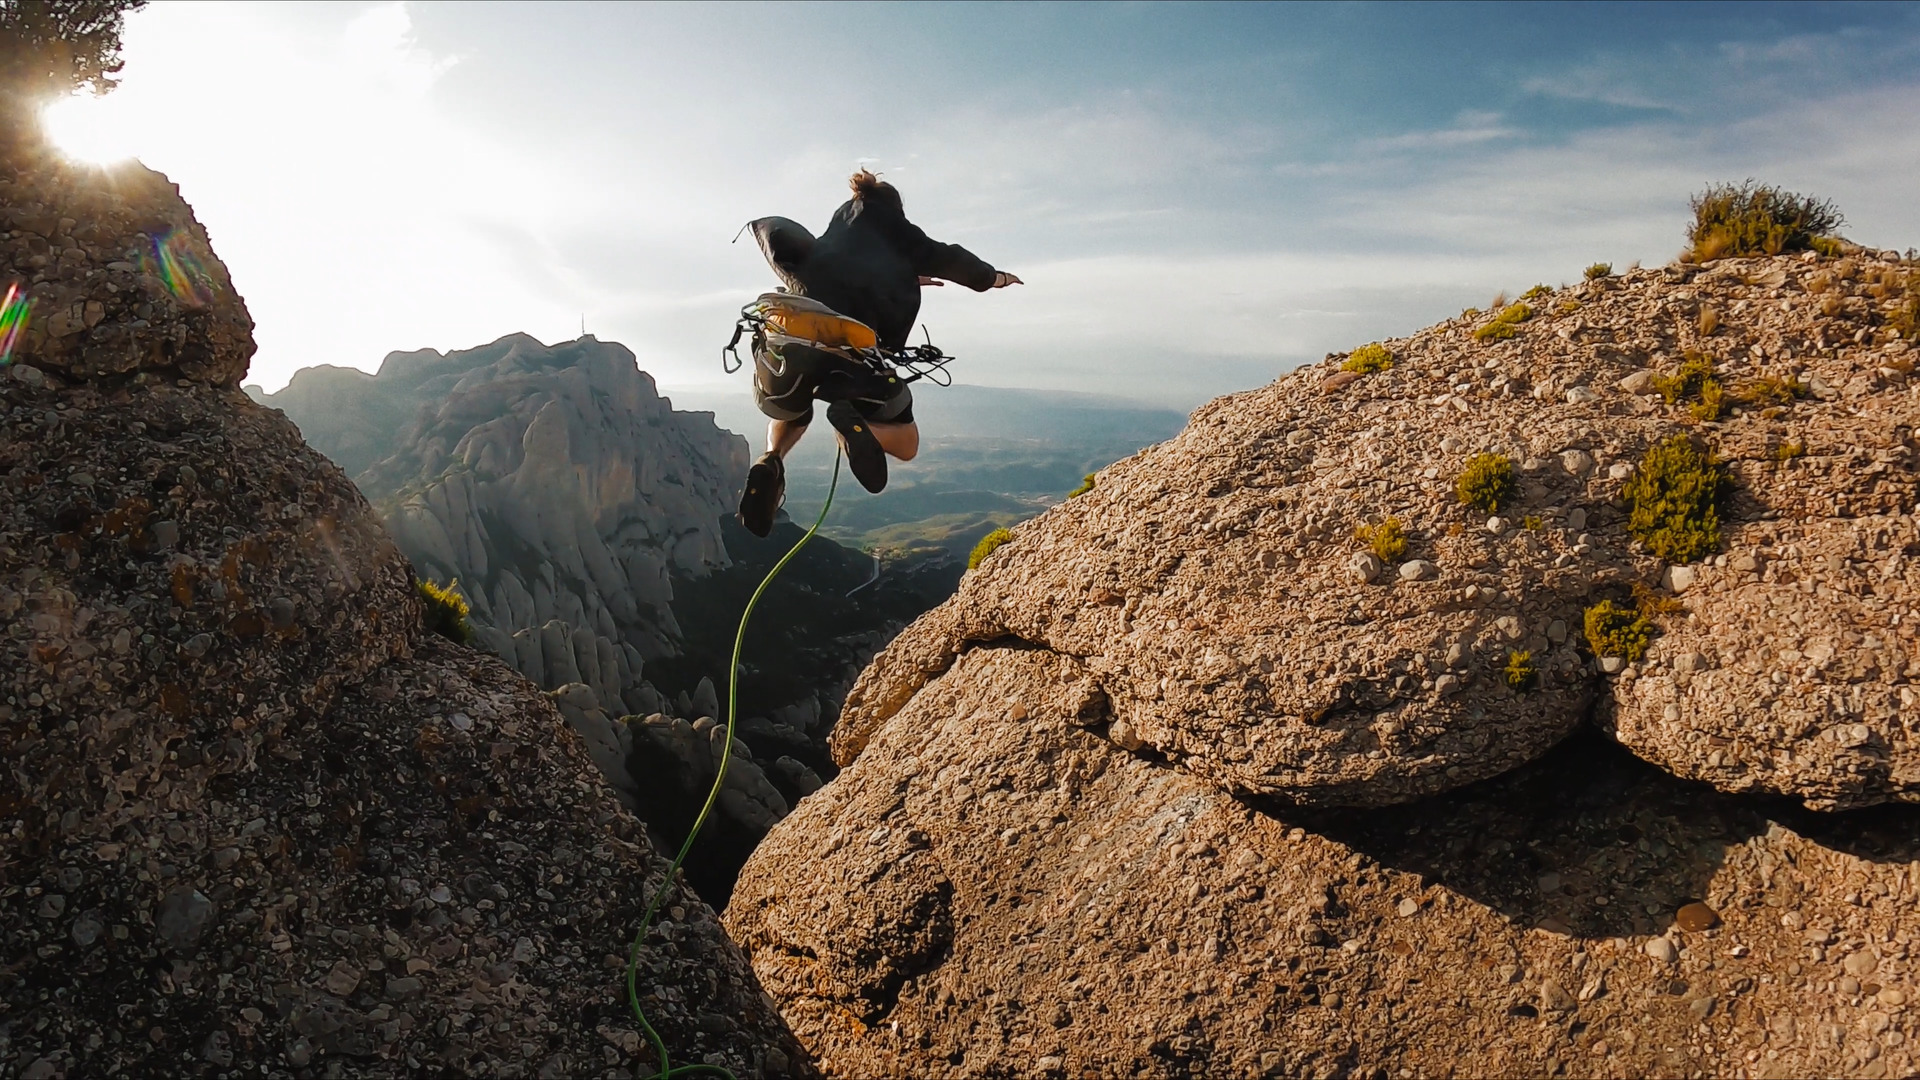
[667, 1072]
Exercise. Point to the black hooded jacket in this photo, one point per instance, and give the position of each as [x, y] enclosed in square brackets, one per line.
[869, 262]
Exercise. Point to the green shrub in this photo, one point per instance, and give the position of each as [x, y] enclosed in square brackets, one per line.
[1787, 451]
[1470, 313]
[1906, 317]
[1733, 220]
[1830, 246]
[1532, 522]
[1520, 671]
[1613, 630]
[444, 610]
[1675, 500]
[1597, 271]
[1771, 390]
[1694, 381]
[1503, 325]
[1537, 292]
[1387, 540]
[1695, 369]
[1486, 483]
[986, 547]
[1086, 485]
[1368, 359]
[1712, 403]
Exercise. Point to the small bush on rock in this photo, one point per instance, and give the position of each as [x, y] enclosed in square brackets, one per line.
[1771, 390]
[1694, 380]
[1614, 630]
[1537, 292]
[1787, 451]
[1675, 498]
[1387, 540]
[1505, 324]
[445, 610]
[1746, 219]
[1486, 484]
[1086, 485]
[1369, 359]
[1597, 271]
[986, 547]
[1520, 671]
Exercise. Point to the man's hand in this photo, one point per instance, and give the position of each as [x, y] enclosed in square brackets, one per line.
[925, 280]
[1002, 279]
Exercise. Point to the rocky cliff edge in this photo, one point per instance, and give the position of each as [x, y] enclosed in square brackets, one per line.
[253, 819]
[1130, 802]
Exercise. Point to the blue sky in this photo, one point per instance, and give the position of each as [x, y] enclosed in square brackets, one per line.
[1199, 196]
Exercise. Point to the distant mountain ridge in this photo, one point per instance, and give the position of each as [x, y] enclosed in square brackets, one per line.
[588, 524]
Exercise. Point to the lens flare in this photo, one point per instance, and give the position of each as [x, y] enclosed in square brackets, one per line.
[14, 310]
[174, 263]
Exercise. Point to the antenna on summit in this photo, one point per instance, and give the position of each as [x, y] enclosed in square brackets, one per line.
[583, 324]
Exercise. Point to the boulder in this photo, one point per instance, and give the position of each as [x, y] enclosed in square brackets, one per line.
[1216, 589]
[995, 888]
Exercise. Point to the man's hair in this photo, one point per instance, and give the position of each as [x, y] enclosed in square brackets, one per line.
[869, 188]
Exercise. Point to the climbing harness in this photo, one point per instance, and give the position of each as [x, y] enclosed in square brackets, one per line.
[667, 1071]
[778, 319]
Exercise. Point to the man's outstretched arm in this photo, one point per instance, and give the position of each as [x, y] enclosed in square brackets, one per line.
[933, 259]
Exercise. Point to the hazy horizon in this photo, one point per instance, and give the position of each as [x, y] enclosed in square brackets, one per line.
[1200, 198]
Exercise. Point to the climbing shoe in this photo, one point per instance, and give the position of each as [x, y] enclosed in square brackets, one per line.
[766, 486]
[864, 456]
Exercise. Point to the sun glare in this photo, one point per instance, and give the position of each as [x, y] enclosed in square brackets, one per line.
[88, 128]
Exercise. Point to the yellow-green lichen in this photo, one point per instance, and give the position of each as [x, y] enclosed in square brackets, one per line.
[1675, 498]
[1369, 359]
[1387, 540]
[444, 610]
[987, 545]
[1504, 325]
[1520, 672]
[1486, 483]
[1615, 630]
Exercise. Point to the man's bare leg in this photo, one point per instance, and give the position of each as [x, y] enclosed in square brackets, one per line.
[783, 436]
[900, 441]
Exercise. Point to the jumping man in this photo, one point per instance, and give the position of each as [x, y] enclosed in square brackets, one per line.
[869, 265]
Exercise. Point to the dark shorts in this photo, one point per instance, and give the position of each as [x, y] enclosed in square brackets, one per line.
[807, 374]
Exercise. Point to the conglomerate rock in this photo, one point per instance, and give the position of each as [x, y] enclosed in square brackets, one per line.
[994, 889]
[1214, 587]
[119, 272]
[252, 820]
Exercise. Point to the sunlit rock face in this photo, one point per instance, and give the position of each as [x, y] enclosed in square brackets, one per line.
[1190, 778]
[119, 272]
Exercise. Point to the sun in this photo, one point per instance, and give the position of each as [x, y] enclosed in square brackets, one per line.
[91, 129]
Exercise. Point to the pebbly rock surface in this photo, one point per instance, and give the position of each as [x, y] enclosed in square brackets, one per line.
[253, 820]
[120, 273]
[994, 888]
[1214, 587]
[1185, 781]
